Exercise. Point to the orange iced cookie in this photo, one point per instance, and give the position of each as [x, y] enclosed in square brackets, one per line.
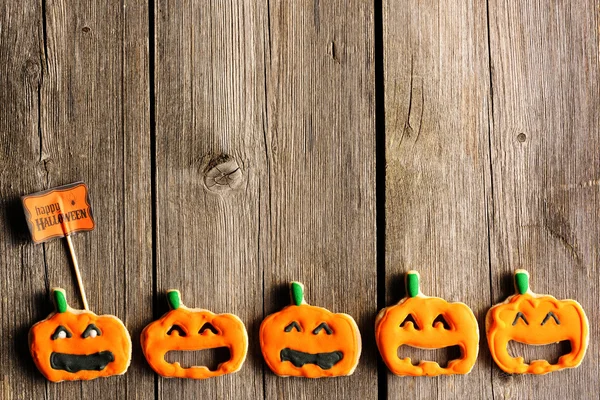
[74, 345]
[429, 323]
[535, 319]
[309, 341]
[192, 329]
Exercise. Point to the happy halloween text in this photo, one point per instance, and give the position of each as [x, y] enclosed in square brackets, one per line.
[45, 222]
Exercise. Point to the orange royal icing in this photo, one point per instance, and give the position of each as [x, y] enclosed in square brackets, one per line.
[192, 333]
[79, 345]
[537, 320]
[393, 329]
[309, 341]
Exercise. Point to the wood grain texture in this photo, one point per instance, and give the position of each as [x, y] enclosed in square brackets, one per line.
[261, 155]
[320, 144]
[210, 111]
[287, 94]
[436, 120]
[22, 272]
[545, 208]
[78, 89]
[95, 126]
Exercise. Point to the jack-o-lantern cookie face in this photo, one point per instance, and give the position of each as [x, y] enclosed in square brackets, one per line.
[536, 320]
[417, 321]
[74, 345]
[309, 341]
[186, 329]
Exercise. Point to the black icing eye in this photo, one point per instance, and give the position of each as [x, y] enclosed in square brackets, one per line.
[551, 315]
[91, 331]
[208, 327]
[293, 325]
[322, 325]
[440, 318]
[521, 316]
[178, 329]
[61, 333]
[410, 318]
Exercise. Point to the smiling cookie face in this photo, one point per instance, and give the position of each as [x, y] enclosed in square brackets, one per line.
[430, 323]
[79, 345]
[536, 320]
[185, 329]
[303, 340]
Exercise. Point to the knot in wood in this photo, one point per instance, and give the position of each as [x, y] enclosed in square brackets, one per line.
[31, 70]
[223, 173]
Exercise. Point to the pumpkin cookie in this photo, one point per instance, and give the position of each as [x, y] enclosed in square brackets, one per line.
[535, 319]
[74, 345]
[309, 341]
[193, 329]
[428, 323]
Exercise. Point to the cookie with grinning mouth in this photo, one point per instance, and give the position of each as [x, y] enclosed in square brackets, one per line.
[309, 341]
[74, 345]
[189, 330]
[538, 320]
[424, 322]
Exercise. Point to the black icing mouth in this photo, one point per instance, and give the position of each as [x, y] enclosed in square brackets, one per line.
[75, 363]
[300, 358]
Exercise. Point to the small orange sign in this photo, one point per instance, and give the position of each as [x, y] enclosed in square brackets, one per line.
[58, 212]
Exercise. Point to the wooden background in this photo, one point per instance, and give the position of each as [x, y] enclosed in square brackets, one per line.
[233, 146]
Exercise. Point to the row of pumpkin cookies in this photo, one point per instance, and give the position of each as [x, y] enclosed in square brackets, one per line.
[85, 346]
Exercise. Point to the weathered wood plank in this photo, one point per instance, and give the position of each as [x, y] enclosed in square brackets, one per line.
[136, 226]
[320, 143]
[96, 104]
[217, 69]
[545, 213]
[22, 271]
[436, 119]
[210, 112]
[80, 104]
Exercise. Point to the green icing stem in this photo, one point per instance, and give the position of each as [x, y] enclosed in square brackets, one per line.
[297, 293]
[60, 300]
[522, 281]
[173, 299]
[412, 284]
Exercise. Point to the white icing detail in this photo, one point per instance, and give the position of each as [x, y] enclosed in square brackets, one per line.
[62, 335]
[93, 333]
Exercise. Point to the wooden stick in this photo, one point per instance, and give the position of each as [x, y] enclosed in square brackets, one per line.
[77, 273]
